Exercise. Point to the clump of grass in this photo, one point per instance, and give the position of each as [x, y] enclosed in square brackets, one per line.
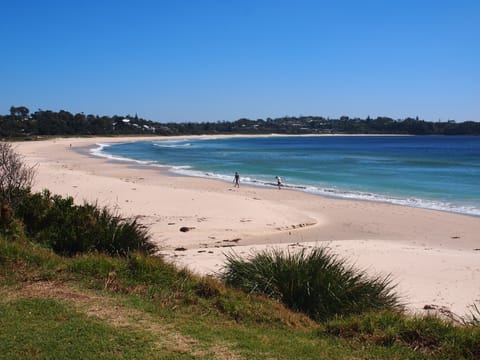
[427, 334]
[315, 282]
[71, 229]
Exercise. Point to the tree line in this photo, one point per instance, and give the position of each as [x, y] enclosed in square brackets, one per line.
[20, 122]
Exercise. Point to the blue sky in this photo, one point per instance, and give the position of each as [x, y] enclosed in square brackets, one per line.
[212, 60]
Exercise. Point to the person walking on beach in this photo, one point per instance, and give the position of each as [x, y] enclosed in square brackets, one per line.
[279, 181]
[236, 180]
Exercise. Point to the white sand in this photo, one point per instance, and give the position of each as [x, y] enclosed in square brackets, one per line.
[430, 254]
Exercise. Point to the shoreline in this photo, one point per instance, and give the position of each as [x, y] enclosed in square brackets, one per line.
[431, 254]
[260, 181]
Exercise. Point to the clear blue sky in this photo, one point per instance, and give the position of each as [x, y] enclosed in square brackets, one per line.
[210, 60]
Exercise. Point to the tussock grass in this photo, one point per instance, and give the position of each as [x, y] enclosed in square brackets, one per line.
[315, 282]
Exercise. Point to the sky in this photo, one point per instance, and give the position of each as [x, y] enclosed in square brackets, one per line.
[216, 60]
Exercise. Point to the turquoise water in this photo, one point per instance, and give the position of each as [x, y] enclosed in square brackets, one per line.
[435, 172]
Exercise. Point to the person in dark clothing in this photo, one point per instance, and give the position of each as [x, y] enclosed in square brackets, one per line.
[236, 180]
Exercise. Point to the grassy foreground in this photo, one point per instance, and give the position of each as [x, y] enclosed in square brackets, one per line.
[98, 306]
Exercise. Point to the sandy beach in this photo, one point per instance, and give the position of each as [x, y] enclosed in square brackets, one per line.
[433, 256]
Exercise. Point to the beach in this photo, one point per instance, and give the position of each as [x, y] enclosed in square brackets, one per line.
[433, 256]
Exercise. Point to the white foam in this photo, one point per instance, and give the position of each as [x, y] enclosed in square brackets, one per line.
[173, 144]
[411, 202]
[337, 193]
[100, 153]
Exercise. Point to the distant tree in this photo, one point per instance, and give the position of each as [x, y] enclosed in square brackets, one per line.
[20, 111]
[45, 122]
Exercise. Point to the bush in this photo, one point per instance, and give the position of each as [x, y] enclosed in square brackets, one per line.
[70, 229]
[315, 282]
[15, 175]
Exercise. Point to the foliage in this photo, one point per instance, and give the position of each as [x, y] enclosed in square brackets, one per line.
[15, 175]
[315, 282]
[20, 123]
[427, 334]
[70, 229]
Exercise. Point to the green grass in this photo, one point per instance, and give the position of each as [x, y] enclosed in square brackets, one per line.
[315, 282]
[99, 306]
[35, 328]
[428, 334]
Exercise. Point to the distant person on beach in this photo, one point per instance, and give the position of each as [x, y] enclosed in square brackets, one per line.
[236, 180]
[279, 181]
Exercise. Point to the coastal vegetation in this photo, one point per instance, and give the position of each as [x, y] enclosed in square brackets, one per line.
[94, 305]
[70, 229]
[15, 175]
[20, 122]
[79, 282]
[315, 282]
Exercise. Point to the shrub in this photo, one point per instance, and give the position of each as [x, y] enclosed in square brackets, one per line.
[15, 175]
[13, 230]
[315, 282]
[71, 229]
[6, 214]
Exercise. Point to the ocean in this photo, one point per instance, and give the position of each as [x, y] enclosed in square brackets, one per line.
[433, 172]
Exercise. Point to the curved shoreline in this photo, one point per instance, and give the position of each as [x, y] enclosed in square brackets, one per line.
[260, 180]
[431, 254]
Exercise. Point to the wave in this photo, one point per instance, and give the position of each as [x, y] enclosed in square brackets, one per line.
[99, 151]
[171, 145]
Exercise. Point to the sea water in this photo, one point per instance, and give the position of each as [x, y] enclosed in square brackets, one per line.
[435, 172]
